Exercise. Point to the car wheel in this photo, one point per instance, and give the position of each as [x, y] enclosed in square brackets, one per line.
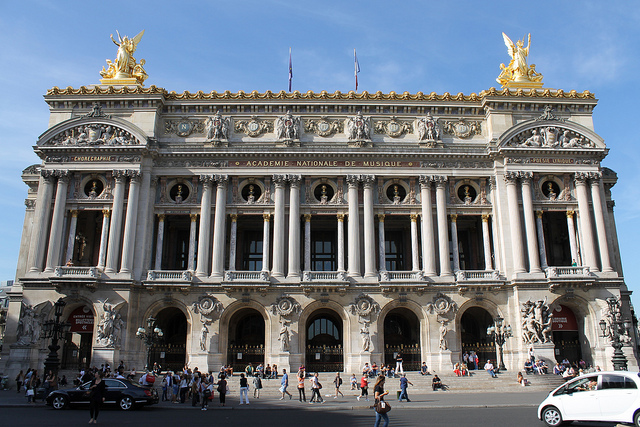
[552, 416]
[125, 403]
[636, 419]
[59, 402]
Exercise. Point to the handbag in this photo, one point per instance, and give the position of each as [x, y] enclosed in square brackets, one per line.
[30, 392]
[382, 407]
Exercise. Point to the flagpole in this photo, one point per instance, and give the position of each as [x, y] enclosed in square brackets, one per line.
[290, 70]
[356, 67]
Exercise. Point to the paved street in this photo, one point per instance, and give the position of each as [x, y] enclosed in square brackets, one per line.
[516, 416]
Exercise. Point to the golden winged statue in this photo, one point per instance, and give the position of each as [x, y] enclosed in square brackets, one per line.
[125, 69]
[518, 73]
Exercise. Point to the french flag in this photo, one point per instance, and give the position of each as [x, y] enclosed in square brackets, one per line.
[357, 67]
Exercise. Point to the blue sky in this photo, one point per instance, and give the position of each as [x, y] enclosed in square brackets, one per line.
[243, 45]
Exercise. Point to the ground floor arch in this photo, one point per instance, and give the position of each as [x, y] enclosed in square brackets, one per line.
[473, 334]
[246, 339]
[402, 336]
[78, 342]
[566, 334]
[171, 351]
[324, 349]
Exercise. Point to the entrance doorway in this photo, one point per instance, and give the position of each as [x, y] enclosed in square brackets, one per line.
[474, 323]
[76, 353]
[171, 351]
[324, 350]
[566, 336]
[246, 339]
[402, 335]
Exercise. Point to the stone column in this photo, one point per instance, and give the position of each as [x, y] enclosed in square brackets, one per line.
[115, 229]
[129, 241]
[233, 241]
[307, 242]
[530, 224]
[294, 227]
[381, 243]
[159, 242]
[204, 232]
[340, 242]
[59, 208]
[454, 242]
[192, 242]
[511, 180]
[428, 245]
[572, 237]
[369, 229]
[41, 221]
[443, 228]
[219, 227]
[71, 239]
[354, 227]
[486, 240]
[586, 230]
[415, 252]
[278, 227]
[265, 242]
[541, 245]
[601, 229]
[104, 237]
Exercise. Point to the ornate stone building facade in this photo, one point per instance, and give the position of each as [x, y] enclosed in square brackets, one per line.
[318, 229]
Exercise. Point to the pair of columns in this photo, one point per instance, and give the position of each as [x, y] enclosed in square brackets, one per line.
[219, 226]
[353, 226]
[534, 237]
[428, 239]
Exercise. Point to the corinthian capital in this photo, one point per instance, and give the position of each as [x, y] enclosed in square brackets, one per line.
[221, 179]
[206, 179]
[581, 177]
[279, 180]
[526, 176]
[353, 180]
[368, 180]
[511, 177]
[595, 177]
[425, 181]
[294, 180]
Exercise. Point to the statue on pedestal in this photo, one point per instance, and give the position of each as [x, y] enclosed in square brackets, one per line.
[518, 73]
[125, 67]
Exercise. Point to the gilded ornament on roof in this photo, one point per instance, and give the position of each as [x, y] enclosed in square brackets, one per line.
[518, 74]
[125, 70]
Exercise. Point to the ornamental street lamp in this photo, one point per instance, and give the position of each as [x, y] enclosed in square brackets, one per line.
[150, 336]
[54, 329]
[615, 330]
[500, 333]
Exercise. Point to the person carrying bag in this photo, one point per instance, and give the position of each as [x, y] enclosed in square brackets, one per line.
[381, 407]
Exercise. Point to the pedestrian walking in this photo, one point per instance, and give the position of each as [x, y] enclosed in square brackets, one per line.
[222, 390]
[257, 386]
[244, 389]
[337, 381]
[379, 394]
[399, 369]
[284, 383]
[96, 396]
[315, 389]
[364, 386]
[206, 391]
[404, 383]
[301, 375]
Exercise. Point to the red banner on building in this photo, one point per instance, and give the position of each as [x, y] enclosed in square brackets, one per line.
[564, 319]
[81, 320]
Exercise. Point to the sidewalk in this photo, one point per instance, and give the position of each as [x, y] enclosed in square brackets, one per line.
[477, 391]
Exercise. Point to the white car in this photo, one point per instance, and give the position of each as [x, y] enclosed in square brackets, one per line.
[599, 396]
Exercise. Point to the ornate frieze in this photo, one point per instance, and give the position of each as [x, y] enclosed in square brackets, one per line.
[323, 127]
[94, 134]
[184, 127]
[253, 127]
[550, 137]
[393, 128]
[462, 128]
[455, 164]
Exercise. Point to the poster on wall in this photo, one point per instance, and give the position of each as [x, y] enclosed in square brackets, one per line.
[81, 320]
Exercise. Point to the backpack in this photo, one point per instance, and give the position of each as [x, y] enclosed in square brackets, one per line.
[150, 379]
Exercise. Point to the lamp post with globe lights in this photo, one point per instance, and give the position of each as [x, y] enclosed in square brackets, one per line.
[500, 333]
[54, 330]
[150, 336]
[615, 329]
